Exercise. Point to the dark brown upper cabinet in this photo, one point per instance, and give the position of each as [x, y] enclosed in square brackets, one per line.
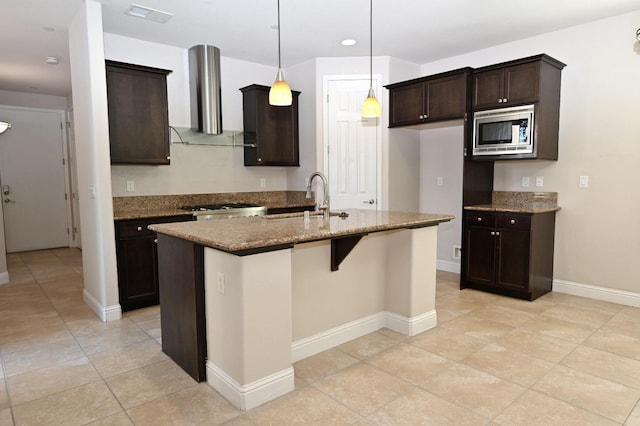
[429, 99]
[528, 80]
[272, 130]
[138, 114]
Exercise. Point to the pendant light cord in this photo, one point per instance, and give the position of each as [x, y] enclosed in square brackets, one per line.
[279, 64]
[370, 44]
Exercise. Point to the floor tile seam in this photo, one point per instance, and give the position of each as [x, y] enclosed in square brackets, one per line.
[57, 393]
[361, 416]
[636, 406]
[610, 352]
[57, 364]
[594, 308]
[457, 404]
[570, 321]
[556, 337]
[576, 406]
[164, 396]
[105, 377]
[592, 373]
[497, 342]
[370, 366]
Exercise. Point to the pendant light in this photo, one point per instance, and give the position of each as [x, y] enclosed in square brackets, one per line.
[280, 92]
[371, 107]
[4, 126]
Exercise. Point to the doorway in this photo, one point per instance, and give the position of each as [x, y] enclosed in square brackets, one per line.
[353, 144]
[34, 179]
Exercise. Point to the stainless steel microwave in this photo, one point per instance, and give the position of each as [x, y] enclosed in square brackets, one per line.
[504, 131]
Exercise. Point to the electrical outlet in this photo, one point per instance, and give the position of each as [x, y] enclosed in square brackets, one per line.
[539, 181]
[440, 181]
[263, 183]
[92, 191]
[221, 283]
[525, 181]
[130, 186]
[584, 182]
[457, 250]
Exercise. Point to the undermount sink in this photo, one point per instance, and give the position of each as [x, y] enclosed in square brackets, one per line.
[299, 215]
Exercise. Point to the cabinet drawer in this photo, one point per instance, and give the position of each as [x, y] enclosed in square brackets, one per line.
[132, 228]
[481, 218]
[514, 221]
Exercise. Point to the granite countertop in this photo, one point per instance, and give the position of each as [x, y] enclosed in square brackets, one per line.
[520, 202]
[148, 206]
[253, 234]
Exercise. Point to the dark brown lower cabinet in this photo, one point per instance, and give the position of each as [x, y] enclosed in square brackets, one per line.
[182, 313]
[137, 261]
[508, 253]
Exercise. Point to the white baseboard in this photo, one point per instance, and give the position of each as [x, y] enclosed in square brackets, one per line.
[621, 297]
[309, 346]
[105, 313]
[411, 326]
[246, 397]
[448, 266]
[4, 278]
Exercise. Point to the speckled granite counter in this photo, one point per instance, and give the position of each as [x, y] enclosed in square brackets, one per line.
[253, 233]
[147, 206]
[520, 202]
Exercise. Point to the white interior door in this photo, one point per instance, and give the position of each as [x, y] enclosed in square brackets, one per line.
[353, 146]
[32, 174]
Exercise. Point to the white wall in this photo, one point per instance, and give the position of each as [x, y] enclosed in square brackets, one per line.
[302, 77]
[596, 239]
[441, 155]
[92, 154]
[194, 169]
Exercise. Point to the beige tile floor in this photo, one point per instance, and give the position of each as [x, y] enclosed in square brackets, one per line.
[560, 360]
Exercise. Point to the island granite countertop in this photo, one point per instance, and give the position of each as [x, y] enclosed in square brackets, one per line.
[254, 234]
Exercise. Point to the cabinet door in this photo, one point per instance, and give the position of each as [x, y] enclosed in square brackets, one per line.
[138, 115]
[273, 129]
[446, 98]
[522, 83]
[512, 267]
[406, 105]
[137, 272]
[488, 88]
[480, 255]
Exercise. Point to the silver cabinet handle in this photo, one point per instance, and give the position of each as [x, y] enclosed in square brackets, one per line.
[493, 233]
[479, 219]
[155, 241]
[512, 221]
[499, 101]
[371, 201]
[497, 232]
[139, 228]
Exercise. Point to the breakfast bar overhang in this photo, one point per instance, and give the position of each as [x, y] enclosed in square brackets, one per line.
[265, 292]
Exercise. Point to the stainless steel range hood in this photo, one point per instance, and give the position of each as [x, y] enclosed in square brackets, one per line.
[204, 81]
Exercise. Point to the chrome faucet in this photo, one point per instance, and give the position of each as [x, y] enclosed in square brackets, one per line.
[324, 207]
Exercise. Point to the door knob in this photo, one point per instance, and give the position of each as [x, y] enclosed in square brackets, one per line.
[371, 201]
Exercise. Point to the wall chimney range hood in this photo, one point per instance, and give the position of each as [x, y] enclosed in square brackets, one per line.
[204, 82]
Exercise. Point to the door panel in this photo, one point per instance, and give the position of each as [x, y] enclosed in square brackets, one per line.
[31, 166]
[353, 147]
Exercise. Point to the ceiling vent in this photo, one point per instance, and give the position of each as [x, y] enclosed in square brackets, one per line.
[204, 82]
[148, 13]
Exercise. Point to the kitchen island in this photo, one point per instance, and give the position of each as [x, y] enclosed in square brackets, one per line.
[253, 295]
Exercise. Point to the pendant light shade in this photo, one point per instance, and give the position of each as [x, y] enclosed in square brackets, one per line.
[4, 126]
[280, 92]
[371, 107]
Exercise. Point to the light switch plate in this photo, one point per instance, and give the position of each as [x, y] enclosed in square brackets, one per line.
[440, 181]
[130, 186]
[525, 181]
[584, 182]
[539, 181]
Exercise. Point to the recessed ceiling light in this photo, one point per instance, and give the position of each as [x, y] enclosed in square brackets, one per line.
[144, 12]
[348, 42]
[53, 60]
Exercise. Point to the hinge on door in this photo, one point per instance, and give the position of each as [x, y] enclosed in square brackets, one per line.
[67, 231]
[66, 197]
[68, 124]
[64, 162]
